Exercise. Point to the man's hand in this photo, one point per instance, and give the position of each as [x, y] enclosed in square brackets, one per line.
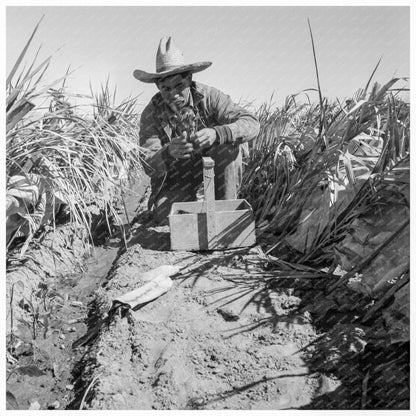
[204, 138]
[179, 148]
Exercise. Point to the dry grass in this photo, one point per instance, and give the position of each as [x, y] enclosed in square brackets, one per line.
[343, 156]
[60, 157]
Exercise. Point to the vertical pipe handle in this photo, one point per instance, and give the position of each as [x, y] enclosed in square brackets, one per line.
[209, 197]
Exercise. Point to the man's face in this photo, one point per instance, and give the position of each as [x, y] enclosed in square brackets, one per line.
[175, 89]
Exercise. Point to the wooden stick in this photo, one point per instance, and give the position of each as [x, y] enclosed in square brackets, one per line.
[209, 194]
[281, 275]
[364, 387]
[94, 380]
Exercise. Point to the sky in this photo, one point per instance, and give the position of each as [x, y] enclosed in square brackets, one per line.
[257, 52]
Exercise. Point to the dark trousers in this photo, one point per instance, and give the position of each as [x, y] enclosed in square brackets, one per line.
[184, 181]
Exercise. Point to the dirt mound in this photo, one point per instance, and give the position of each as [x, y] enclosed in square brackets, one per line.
[192, 348]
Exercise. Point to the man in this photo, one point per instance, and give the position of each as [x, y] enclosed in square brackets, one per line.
[182, 123]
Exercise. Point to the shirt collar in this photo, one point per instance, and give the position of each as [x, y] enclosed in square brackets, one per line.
[197, 93]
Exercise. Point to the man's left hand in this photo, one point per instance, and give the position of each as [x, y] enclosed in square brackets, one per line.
[204, 138]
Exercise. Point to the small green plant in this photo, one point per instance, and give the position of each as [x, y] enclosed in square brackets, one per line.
[42, 305]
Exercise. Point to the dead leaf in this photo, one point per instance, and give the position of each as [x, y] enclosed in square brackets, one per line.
[12, 403]
[19, 285]
[24, 333]
[30, 370]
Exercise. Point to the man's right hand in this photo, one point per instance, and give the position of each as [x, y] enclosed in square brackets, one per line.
[179, 148]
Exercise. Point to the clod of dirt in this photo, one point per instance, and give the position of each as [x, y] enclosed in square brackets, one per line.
[54, 405]
[34, 405]
[228, 314]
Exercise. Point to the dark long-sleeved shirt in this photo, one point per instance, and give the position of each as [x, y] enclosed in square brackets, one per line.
[234, 125]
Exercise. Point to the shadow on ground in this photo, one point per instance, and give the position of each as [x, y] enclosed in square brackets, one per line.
[371, 375]
[372, 372]
[149, 235]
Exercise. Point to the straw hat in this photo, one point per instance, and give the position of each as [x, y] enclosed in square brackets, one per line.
[169, 61]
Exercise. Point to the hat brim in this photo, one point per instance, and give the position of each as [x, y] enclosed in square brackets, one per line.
[152, 77]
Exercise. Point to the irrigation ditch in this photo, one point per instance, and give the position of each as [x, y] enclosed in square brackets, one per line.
[49, 294]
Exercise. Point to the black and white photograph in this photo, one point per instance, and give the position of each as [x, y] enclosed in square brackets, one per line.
[207, 206]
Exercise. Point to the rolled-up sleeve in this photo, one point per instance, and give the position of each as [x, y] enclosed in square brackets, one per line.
[235, 124]
[155, 153]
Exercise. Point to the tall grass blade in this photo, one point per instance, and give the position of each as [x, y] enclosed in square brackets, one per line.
[22, 54]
